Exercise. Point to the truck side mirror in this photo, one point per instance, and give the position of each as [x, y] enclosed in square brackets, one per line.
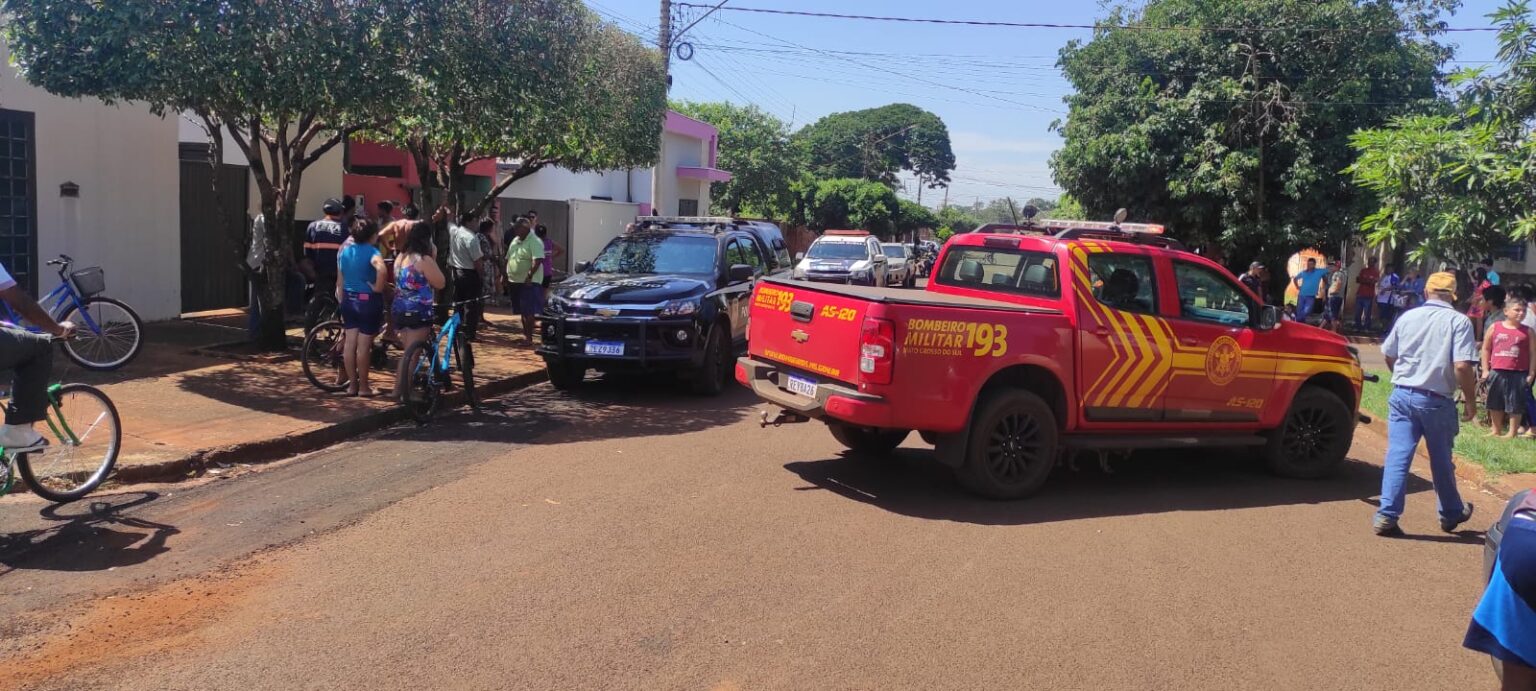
[581, 267]
[799, 256]
[1269, 317]
[741, 273]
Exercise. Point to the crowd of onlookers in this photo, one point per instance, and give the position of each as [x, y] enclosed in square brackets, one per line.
[387, 274]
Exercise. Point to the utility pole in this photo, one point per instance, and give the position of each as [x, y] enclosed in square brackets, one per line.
[664, 43]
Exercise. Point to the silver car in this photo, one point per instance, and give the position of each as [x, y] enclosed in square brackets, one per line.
[900, 269]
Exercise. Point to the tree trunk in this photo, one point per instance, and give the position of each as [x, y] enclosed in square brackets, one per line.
[272, 282]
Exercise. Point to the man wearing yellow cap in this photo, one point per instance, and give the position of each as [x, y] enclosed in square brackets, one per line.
[1431, 351]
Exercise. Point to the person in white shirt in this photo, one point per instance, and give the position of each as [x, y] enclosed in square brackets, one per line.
[30, 357]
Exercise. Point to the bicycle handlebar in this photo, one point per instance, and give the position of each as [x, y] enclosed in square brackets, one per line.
[63, 260]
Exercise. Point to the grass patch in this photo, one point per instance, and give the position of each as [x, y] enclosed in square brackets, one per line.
[1498, 456]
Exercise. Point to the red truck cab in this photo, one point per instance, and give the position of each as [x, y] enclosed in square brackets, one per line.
[1069, 336]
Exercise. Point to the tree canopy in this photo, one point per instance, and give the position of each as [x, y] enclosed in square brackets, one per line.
[1457, 183]
[755, 146]
[1236, 134]
[878, 143]
[850, 203]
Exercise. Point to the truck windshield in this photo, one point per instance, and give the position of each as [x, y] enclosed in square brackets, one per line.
[658, 254]
[1008, 271]
[838, 250]
[895, 251]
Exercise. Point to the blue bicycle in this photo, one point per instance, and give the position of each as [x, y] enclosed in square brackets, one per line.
[108, 333]
[429, 368]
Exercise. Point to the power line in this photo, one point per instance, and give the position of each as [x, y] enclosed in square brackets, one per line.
[1094, 27]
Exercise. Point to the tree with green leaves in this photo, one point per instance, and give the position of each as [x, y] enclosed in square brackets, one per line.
[540, 82]
[755, 146]
[912, 217]
[285, 80]
[1234, 132]
[850, 203]
[878, 143]
[1456, 183]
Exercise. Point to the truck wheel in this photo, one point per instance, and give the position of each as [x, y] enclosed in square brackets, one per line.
[564, 376]
[866, 439]
[716, 369]
[1011, 447]
[1314, 437]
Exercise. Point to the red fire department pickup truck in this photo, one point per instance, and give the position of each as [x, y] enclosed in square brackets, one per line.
[1054, 338]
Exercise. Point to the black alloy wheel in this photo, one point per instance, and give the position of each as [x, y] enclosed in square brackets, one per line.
[1314, 438]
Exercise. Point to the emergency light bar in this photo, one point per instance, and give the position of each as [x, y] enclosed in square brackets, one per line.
[1148, 228]
[697, 220]
[848, 233]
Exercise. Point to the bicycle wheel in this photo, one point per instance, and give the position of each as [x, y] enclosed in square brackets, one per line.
[420, 395]
[464, 351]
[111, 338]
[87, 435]
[322, 357]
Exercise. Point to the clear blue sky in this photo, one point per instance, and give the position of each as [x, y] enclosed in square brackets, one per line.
[996, 88]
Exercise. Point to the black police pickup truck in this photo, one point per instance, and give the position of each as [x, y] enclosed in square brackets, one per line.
[669, 295]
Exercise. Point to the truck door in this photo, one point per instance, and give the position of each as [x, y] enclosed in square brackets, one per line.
[1218, 374]
[741, 250]
[1123, 345]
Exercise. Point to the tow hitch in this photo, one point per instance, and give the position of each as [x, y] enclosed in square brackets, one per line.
[783, 418]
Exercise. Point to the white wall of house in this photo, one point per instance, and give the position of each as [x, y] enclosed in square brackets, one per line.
[126, 217]
[559, 184]
[1524, 268]
[594, 223]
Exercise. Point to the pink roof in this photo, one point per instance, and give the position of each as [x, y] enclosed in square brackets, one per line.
[710, 174]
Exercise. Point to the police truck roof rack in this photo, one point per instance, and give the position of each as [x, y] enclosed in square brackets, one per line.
[716, 223]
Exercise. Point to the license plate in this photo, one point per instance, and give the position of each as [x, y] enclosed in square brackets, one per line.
[801, 385]
[605, 348]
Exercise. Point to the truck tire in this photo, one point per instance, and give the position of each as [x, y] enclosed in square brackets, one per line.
[563, 376]
[1314, 437]
[717, 366]
[1012, 445]
[866, 439]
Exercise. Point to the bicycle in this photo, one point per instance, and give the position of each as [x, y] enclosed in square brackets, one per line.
[89, 432]
[428, 371]
[108, 335]
[321, 307]
[322, 358]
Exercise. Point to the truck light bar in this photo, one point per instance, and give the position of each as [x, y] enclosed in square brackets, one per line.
[1148, 228]
[699, 220]
[851, 233]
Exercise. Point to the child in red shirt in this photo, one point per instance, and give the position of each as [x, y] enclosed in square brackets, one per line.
[1509, 368]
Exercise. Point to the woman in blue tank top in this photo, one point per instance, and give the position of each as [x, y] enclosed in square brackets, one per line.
[362, 272]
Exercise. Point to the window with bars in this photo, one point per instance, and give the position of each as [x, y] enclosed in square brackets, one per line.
[18, 197]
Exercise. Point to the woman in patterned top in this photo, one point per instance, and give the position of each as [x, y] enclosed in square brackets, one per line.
[416, 277]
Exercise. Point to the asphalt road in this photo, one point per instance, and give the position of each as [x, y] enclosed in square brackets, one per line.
[633, 538]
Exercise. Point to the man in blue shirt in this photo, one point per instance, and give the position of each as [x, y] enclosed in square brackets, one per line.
[1431, 352]
[29, 357]
[322, 241]
[1307, 284]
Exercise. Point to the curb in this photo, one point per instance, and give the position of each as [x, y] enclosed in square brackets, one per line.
[269, 450]
[1466, 470]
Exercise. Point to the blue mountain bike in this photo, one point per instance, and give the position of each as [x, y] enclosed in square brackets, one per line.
[108, 333]
[429, 368]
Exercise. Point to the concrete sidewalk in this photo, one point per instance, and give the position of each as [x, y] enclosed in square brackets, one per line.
[186, 405]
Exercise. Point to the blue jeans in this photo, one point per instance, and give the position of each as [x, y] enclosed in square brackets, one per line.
[1363, 311]
[1304, 305]
[1413, 415]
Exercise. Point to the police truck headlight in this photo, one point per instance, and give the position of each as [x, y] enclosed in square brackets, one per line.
[679, 308]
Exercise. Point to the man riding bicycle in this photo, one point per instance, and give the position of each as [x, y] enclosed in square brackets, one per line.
[30, 357]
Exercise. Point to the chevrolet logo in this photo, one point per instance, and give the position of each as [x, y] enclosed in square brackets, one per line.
[607, 312]
[800, 336]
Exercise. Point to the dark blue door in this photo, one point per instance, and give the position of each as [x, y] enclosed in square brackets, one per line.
[18, 197]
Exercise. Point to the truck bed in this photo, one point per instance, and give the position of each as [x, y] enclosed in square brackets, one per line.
[907, 296]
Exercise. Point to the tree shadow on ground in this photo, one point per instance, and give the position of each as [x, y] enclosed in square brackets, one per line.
[913, 483]
[602, 408]
[91, 535]
[277, 387]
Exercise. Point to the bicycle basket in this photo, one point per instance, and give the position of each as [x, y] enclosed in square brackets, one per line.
[88, 282]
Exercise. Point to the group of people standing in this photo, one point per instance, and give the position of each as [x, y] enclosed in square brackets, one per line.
[386, 277]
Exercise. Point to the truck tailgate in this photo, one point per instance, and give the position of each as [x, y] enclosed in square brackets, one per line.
[794, 324]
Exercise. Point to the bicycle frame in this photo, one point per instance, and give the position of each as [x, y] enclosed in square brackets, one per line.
[63, 297]
[56, 423]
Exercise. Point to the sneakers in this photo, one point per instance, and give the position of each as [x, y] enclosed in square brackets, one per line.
[1386, 527]
[1450, 525]
[21, 439]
